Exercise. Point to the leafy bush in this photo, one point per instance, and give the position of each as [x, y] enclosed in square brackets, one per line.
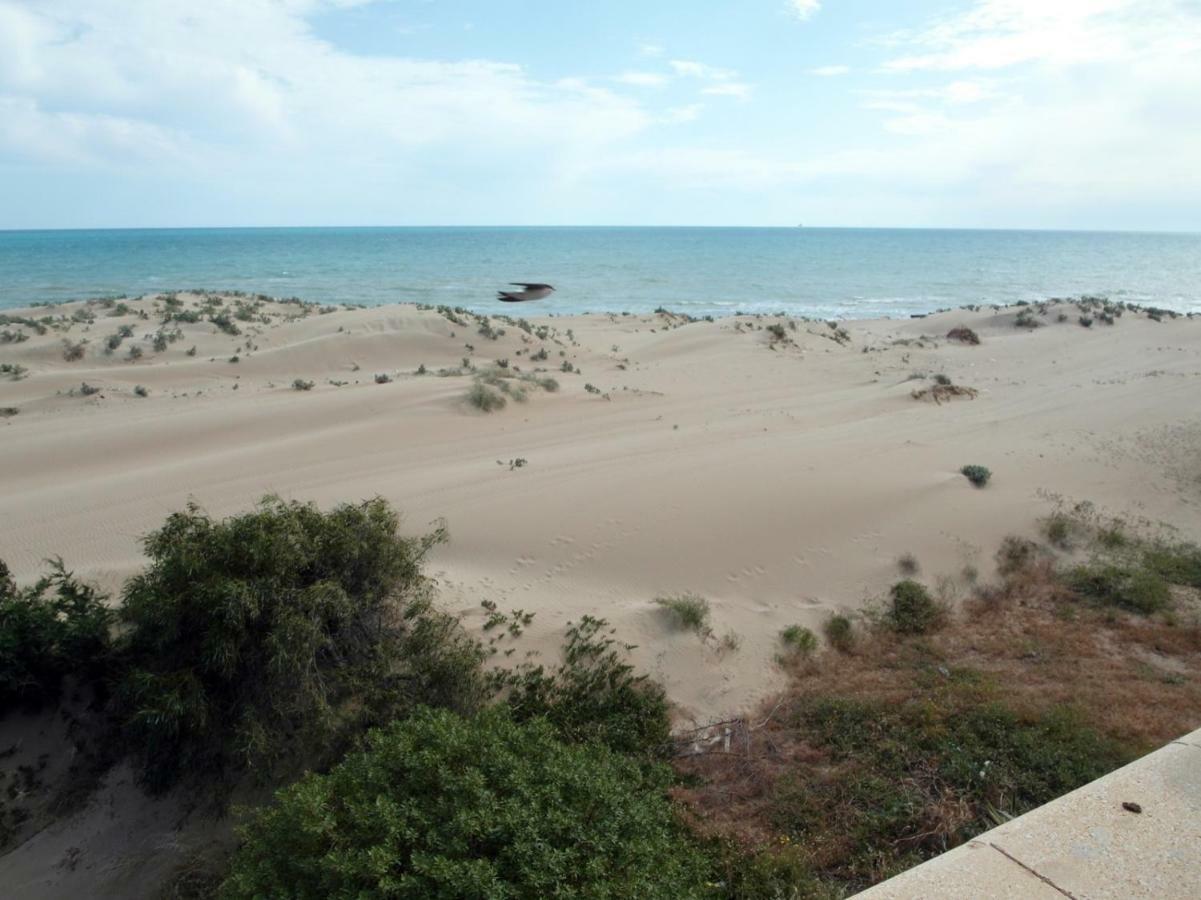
[964, 335]
[57, 627]
[977, 475]
[913, 610]
[594, 695]
[141, 391]
[840, 632]
[441, 806]
[688, 610]
[383, 378]
[301, 385]
[271, 635]
[799, 639]
[1129, 587]
[73, 352]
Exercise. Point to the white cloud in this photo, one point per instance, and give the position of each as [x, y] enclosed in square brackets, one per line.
[728, 89]
[690, 69]
[830, 71]
[804, 9]
[642, 79]
[103, 82]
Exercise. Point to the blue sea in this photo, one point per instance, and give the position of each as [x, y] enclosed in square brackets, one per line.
[828, 272]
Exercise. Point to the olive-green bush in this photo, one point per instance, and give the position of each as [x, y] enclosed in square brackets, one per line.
[442, 806]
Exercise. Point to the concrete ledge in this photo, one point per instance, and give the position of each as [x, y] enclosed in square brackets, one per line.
[1085, 844]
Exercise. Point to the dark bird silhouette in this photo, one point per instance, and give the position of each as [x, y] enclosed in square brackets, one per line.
[531, 292]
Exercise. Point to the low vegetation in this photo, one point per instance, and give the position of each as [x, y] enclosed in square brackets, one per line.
[687, 611]
[978, 475]
[963, 335]
[288, 639]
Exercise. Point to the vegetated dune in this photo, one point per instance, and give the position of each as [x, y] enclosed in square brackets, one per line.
[778, 472]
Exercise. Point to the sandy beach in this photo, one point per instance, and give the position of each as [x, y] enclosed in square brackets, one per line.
[778, 472]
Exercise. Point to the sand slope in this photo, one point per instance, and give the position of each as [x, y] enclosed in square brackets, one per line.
[781, 484]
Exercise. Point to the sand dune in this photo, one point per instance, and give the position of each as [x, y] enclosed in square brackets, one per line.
[780, 479]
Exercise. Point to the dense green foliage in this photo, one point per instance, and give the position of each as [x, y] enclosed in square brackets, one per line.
[594, 695]
[270, 634]
[444, 806]
[913, 610]
[1175, 563]
[57, 627]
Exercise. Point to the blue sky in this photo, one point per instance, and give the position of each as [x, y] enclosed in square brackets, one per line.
[970, 113]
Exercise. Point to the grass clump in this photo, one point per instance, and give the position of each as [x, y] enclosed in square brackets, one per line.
[799, 640]
[273, 635]
[484, 398]
[1130, 587]
[442, 806]
[57, 627]
[301, 385]
[964, 335]
[840, 632]
[141, 391]
[383, 378]
[913, 610]
[978, 475]
[688, 611]
[1175, 563]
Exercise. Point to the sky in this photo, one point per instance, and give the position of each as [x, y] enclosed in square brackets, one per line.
[931, 113]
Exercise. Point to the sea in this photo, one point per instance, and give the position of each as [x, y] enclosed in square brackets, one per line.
[826, 272]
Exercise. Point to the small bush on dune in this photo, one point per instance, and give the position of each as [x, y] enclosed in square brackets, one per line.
[271, 635]
[688, 611]
[800, 640]
[441, 806]
[964, 335]
[480, 396]
[913, 610]
[977, 475]
[301, 385]
[840, 632]
[57, 627]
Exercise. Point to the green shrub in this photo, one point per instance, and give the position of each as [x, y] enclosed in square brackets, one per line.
[484, 398]
[301, 385]
[594, 695]
[1015, 554]
[1126, 586]
[688, 610]
[57, 627]
[913, 610]
[141, 391]
[840, 632]
[1175, 563]
[1059, 529]
[442, 806]
[272, 635]
[977, 475]
[799, 639]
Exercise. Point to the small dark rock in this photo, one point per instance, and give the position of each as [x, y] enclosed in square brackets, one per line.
[1132, 807]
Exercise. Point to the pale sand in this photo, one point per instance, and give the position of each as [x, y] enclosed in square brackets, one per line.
[781, 485]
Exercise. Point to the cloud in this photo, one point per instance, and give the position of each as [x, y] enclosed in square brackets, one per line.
[830, 71]
[804, 9]
[642, 79]
[728, 89]
[104, 83]
[690, 69]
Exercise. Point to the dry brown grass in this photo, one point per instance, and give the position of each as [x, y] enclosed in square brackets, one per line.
[944, 393]
[1028, 645]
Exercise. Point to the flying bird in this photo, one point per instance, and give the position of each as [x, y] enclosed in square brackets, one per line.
[531, 292]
